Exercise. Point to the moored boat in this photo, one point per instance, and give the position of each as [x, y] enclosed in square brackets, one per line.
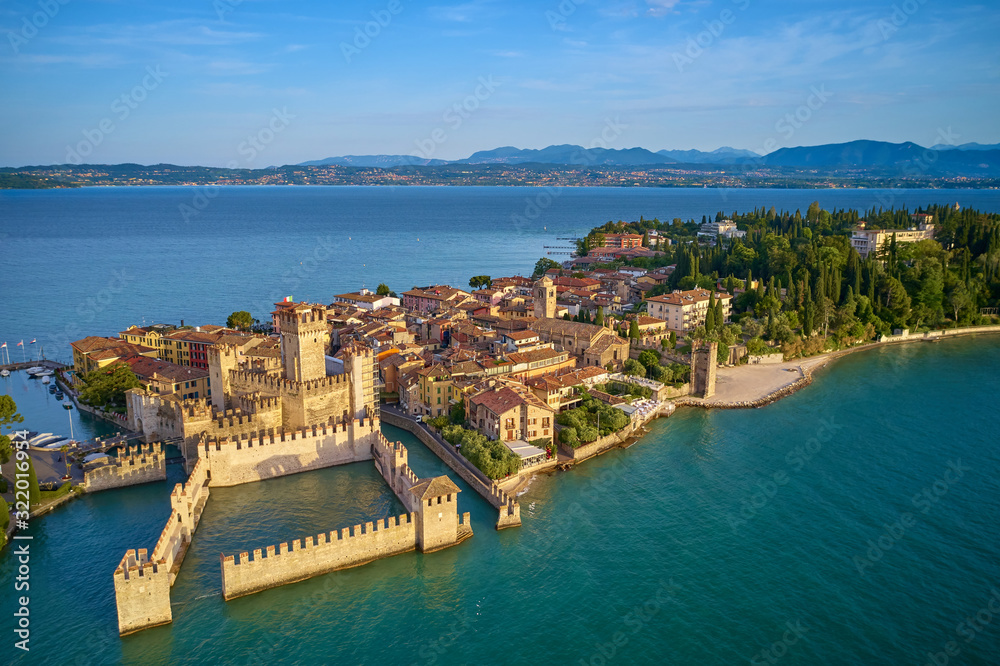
[67, 404]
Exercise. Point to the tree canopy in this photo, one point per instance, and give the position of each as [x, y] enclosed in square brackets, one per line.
[241, 320]
[106, 387]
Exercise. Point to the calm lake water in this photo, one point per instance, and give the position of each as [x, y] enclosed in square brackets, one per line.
[702, 544]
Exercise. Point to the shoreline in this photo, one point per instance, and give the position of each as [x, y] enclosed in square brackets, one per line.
[806, 367]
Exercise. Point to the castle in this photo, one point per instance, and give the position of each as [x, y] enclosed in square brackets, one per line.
[269, 417]
[265, 397]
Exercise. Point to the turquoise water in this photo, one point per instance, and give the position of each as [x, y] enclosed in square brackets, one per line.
[638, 556]
[42, 412]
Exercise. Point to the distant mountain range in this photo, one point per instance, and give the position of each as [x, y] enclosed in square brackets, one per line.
[971, 159]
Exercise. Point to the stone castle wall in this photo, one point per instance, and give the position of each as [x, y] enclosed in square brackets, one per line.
[510, 510]
[134, 466]
[142, 585]
[391, 461]
[234, 461]
[142, 593]
[316, 556]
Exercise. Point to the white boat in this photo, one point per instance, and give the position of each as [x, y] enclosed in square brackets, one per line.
[67, 404]
[35, 369]
[5, 373]
[46, 380]
[44, 373]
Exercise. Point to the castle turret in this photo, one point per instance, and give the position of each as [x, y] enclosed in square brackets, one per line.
[221, 359]
[303, 346]
[545, 298]
[437, 513]
[359, 365]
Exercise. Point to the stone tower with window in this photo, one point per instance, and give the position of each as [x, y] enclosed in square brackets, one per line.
[545, 298]
[303, 342]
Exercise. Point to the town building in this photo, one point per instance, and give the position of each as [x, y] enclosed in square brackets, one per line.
[366, 300]
[95, 352]
[872, 241]
[684, 311]
[165, 378]
[509, 412]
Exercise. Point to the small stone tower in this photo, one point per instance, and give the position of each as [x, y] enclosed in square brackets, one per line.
[437, 513]
[703, 364]
[303, 345]
[359, 365]
[545, 298]
[221, 359]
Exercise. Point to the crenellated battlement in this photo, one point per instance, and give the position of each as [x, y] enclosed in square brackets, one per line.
[142, 592]
[135, 465]
[282, 435]
[272, 452]
[262, 381]
[254, 403]
[311, 556]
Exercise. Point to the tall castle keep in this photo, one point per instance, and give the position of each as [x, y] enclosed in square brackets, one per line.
[259, 396]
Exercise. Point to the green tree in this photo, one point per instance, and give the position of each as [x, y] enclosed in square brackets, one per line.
[633, 368]
[382, 289]
[457, 413]
[8, 417]
[959, 299]
[241, 320]
[106, 387]
[480, 281]
[542, 266]
[633, 330]
[599, 319]
[673, 340]
[34, 492]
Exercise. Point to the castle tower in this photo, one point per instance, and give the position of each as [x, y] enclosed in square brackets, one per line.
[703, 364]
[360, 367]
[545, 298]
[221, 359]
[303, 346]
[142, 593]
[437, 513]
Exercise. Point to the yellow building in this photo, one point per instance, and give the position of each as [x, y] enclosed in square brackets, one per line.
[94, 352]
[685, 311]
[165, 378]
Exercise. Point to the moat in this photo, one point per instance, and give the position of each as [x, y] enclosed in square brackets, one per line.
[667, 498]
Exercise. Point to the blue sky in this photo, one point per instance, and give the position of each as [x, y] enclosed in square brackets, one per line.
[260, 82]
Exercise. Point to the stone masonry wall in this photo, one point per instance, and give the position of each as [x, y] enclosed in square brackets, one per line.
[134, 466]
[232, 462]
[142, 586]
[319, 555]
[142, 593]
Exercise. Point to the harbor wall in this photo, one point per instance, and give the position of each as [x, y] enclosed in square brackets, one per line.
[142, 584]
[509, 509]
[134, 466]
[313, 556]
[234, 461]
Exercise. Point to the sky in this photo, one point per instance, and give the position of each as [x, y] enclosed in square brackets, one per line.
[253, 83]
